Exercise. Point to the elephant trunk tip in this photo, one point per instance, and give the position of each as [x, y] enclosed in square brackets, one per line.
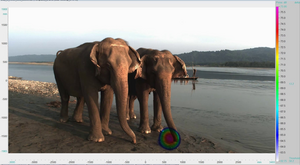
[134, 141]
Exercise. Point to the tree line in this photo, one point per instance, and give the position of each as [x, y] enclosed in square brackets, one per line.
[254, 57]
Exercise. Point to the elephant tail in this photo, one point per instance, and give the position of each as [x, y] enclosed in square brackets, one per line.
[58, 52]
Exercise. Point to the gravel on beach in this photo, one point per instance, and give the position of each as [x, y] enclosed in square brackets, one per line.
[33, 87]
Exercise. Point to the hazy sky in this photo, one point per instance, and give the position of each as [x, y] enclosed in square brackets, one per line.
[47, 30]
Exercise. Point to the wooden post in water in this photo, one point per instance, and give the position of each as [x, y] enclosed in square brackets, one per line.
[194, 72]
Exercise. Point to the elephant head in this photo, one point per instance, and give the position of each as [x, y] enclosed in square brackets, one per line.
[158, 68]
[110, 53]
[113, 59]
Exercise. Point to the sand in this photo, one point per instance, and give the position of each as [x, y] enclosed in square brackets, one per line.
[34, 127]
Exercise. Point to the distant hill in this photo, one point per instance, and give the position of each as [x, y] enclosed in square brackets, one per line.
[261, 54]
[32, 58]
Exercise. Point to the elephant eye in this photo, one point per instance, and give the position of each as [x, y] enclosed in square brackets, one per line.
[155, 60]
[108, 65]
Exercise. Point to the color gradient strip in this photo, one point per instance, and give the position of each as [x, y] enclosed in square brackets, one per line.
[277, 81]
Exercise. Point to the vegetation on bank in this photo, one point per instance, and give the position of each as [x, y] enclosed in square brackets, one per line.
[32, 58]
[255, 57]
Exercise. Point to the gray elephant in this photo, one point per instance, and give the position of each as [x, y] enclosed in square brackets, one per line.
[92, 67]
[155, 75]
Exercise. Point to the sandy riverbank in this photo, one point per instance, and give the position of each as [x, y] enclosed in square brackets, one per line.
[34, 127]
[32, 63]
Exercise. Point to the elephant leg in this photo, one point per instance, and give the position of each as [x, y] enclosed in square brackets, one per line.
[131, 107]
[77, 115]
[157, 113]
[64, 96]
[106, 102]
[143, 96]
[91, 99]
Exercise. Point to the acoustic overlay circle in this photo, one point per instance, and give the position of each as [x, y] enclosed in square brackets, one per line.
[168, 141]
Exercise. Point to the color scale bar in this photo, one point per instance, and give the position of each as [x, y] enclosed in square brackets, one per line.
[277, 81]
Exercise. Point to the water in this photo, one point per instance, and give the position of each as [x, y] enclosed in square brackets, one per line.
[233, 106]
[244, 71]
[32, 72]
[236, 111]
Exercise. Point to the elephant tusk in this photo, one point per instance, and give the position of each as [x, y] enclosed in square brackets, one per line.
[58, 52]
[95, 62]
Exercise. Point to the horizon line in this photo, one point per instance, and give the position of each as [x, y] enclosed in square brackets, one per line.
[172, 53]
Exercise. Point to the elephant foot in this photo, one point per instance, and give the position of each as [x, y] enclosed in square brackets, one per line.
[96, 138]
[127, 117]
[145, 129]
[77, 119]
[106, 131]
[157, 128]
[63, 119]
[132, 116]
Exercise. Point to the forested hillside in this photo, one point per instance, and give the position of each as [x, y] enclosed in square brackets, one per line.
[231, 57]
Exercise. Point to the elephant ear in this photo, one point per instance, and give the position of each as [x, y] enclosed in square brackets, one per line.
[93, 56]
[135, 58]
[181, 70]
[141, 71]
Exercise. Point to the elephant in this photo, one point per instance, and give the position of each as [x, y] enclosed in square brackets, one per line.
[91, 67]
[155, 75]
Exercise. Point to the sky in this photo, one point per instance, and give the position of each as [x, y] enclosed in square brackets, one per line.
[179, 30]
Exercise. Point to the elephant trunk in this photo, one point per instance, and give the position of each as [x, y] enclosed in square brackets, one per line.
[120, 85]
[163, 89]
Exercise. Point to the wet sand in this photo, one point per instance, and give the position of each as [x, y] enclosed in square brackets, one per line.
[34, 127]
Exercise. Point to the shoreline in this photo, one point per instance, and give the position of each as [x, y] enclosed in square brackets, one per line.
[34, 127]
[200, 66]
